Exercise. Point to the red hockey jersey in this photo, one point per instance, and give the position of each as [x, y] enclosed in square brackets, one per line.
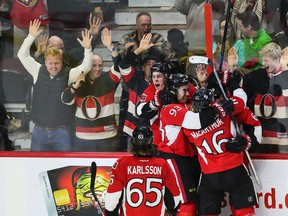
[142, 182]
[210, 143]
[146, 97]
[174, 118]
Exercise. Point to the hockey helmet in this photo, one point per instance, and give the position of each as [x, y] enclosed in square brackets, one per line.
[177, 80]
[159, 67]
[202, 99]
[142, 136]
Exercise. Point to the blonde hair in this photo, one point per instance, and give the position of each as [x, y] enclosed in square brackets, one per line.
[53, 52]
[272, 50]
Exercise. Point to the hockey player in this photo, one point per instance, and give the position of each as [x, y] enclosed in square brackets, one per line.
[175, 147]
[136, 80]
[142, 184]
[148, 107]
[220, 153]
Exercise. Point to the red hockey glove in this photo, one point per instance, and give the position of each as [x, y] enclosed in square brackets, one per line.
[224, 107]
[238, 144]
[155, 103]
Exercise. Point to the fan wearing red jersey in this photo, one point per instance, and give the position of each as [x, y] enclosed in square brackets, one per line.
[142, 184]
[220, 153]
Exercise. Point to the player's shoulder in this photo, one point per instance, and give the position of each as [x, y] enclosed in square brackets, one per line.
[148, 93]
[160, 163]
[150, 89]
[124, 160]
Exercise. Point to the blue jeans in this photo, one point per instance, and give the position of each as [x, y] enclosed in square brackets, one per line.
[51, 140]
[103, 145]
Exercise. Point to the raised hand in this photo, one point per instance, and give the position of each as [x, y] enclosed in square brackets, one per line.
[202, 73]
[86, 39]
[106, 38]
[232, 57]
[34, 27]
[41, 45]
[94, 26]
[145, 42]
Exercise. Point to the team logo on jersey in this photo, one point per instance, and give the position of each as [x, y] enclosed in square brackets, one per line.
[91, 107]
[29, 3]
[268, 101]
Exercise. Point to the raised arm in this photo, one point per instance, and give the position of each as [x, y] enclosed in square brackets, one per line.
[106, 38]
[232, 58]
[41, 46]
[131, 55]
[29, 63]
[94, 26]
[86, 64]
[145, 44]
[86, 39]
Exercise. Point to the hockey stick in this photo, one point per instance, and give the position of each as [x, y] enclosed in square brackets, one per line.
[227, 20]
[208, 29]
[93, 171]
[207, 61]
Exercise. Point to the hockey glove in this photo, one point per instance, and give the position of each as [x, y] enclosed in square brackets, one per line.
[238, 144]
[225, 77]
[155, 103]
[167, 97]
[224, 107]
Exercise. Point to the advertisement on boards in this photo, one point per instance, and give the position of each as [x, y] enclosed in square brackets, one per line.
[67, 191]
[61, 186]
